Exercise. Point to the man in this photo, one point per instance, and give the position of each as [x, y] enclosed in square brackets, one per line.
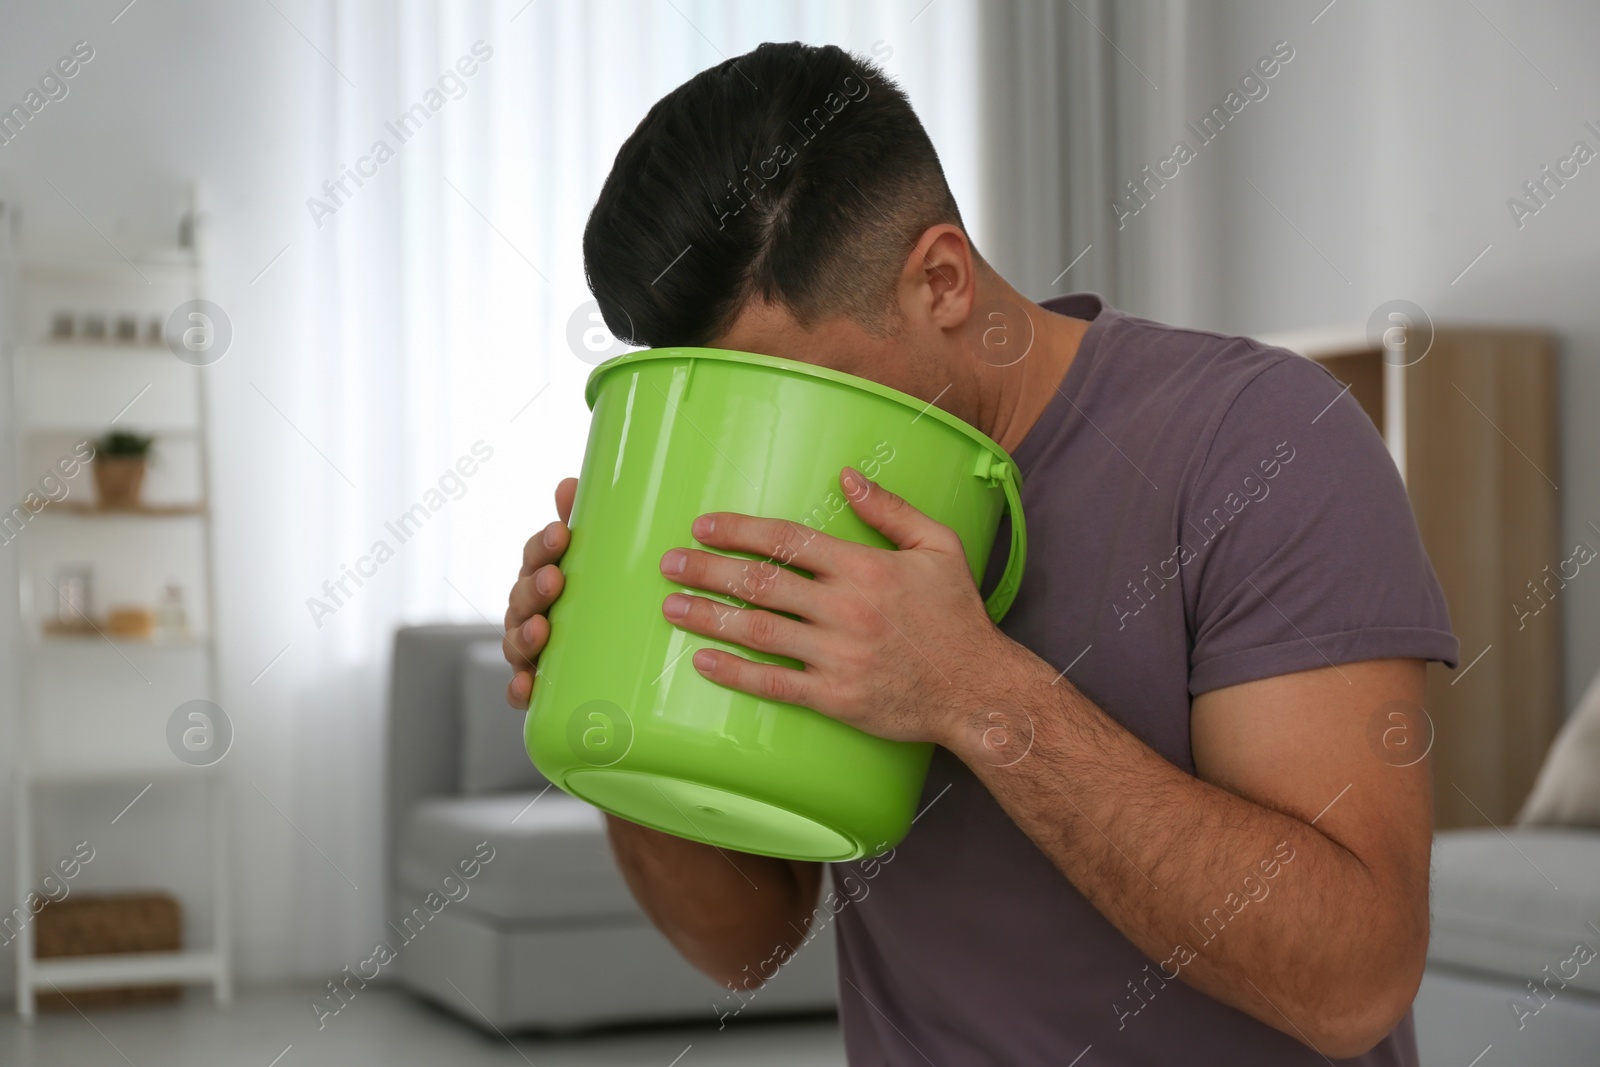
[1156, 823]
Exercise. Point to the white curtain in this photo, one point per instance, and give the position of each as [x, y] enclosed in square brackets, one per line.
[433, 376]
[1074, 97]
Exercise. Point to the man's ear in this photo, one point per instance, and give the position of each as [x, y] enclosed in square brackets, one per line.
[940, 282]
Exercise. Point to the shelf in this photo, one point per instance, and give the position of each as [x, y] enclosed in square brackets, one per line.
[35, 429]
[142, 511]
[172, 265]
[87, 345]
[82, 347]
[119, 775]
[77, 640]
[125, 968]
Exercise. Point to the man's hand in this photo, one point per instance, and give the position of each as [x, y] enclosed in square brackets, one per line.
[896, 643]
[537, 586]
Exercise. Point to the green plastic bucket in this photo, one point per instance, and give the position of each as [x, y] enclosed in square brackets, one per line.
[620, 717]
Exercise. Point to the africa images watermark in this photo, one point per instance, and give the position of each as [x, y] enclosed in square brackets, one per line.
[199, 732]
[55, 891]
[1538, 191]
[1253, 888]
[54, 487]
[453, 889]
[1211, 526]
[756, 574]
[743, 190]
[1252, 87]
[408, 124]
[1400, 733]
[1551, 583]
[1542, 993]
[451, 486]
[825, 911]
[52, 87]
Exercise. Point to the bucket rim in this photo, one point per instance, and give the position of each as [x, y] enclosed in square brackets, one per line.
[793, 366]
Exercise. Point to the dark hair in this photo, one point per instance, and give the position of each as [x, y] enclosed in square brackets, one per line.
[794, 174]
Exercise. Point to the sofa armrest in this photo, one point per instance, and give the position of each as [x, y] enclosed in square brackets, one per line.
[422, 744]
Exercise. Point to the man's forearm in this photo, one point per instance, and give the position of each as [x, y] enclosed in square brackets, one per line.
[726, 912]
[1171, 860]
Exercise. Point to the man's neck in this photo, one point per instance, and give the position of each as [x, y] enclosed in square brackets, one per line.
[1019, 392]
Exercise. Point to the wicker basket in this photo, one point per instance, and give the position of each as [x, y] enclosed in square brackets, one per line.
[92, 925]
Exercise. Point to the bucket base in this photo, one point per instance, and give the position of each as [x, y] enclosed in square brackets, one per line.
[715, 816]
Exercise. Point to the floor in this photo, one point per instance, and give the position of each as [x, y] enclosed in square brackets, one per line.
[272, 1027]
[1459, 1021]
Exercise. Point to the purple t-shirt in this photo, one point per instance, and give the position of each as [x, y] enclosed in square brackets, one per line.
[1202, 511]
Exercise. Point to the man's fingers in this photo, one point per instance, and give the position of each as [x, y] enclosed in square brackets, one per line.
[522, 643]
[754, 581]
[892, 515]
[789, 543]
[763, 631]
[537, 586]
[534, 593]
[765, 680]
[546, 546]
[565, 492]
[527, 629]
[519, 691]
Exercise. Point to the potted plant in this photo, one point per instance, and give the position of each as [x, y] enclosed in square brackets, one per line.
[119, 463]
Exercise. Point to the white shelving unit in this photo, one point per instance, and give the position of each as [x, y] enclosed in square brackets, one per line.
[94, 707]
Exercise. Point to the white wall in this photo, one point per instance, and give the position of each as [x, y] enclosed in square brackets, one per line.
[1391, 141]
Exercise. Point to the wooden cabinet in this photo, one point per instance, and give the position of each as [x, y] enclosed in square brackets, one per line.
[1472, 424]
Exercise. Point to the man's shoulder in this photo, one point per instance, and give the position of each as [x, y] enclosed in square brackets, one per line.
[1222, 363]
[1200, 377]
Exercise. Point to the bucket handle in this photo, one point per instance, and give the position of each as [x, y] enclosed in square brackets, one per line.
[998, 472]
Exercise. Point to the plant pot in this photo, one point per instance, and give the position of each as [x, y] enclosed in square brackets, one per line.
[118, 479]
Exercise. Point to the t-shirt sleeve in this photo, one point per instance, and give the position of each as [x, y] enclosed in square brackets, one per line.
[1305, 552]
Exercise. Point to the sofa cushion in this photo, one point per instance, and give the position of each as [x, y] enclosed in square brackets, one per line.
[1568, 790]
[1511, 903]
[550, 861]
[493, 758]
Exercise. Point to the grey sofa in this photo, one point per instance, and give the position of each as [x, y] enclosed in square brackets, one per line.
[1514, 960]
[1512, 907]
[536, 929]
